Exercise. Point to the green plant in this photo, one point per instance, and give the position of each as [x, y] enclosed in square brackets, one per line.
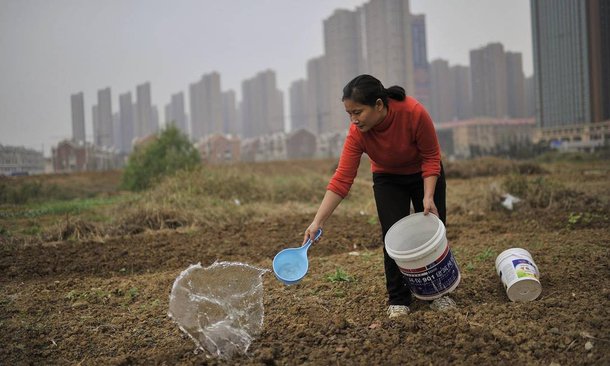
[169, 153]
[486, 254]
[132, 293]
[339, 276]
[579, 219]
[72, 295]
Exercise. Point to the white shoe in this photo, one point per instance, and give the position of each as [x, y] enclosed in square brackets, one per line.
[443, 303]
[395, 311]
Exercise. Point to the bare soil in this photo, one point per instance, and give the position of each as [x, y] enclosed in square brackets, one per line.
[93, 302]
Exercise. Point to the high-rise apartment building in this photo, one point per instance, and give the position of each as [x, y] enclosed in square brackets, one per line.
[262, 107]
[77, 102]
[515, 85]
[344, 59]
[299, 106]
[421, 73]
[154, 113]
[450, 92]
[530, 97]
[175, 113]
[116, 131]
[95, 124]
[206, 106]
[144, 125]
[389, 42]
[229, 113]
[442, 92]
[488, 79]
[571, 41]
[126, 117]
[103, 134]
[462, 99]
[318, 95]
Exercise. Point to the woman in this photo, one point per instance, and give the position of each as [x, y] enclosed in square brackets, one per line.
[397, 134]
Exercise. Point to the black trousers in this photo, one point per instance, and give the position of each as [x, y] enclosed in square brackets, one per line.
[393, 196]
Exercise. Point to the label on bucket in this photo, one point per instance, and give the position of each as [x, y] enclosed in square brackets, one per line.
[434, 278]
[524, 268]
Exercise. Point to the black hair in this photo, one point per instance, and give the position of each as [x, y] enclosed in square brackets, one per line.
[366, 89]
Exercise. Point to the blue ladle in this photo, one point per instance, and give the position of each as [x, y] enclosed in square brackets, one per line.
[290, 265]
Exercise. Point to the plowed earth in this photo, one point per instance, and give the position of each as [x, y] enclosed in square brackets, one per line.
[93, 303]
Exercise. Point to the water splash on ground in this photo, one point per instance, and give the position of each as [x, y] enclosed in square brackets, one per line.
[219, 307]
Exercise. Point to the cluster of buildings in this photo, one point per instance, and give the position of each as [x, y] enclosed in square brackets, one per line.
[486, 107]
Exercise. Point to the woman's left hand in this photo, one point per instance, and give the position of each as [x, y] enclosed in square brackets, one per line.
[429, 206]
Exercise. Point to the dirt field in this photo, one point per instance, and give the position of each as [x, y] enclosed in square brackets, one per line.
[105, 300]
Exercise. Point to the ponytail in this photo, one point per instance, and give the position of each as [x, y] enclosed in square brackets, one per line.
[396, 92]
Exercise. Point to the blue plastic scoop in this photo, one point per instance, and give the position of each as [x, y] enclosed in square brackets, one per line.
[290, 265]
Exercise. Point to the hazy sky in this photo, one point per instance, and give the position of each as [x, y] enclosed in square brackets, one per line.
[50, 49]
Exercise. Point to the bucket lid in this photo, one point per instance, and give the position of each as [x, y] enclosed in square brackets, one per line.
[527, 289]
[413, 235]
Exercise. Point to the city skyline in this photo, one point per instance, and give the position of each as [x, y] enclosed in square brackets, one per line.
[57, 121]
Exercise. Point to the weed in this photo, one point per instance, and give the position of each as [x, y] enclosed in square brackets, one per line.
[372, 220]
[99, 294]
[339, 276]
[485, 255]
[132, 293]
[469, 266]
[72, 295]
[579, 219]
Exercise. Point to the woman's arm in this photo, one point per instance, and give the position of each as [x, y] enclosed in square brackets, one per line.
[429, 186]
[330, 201]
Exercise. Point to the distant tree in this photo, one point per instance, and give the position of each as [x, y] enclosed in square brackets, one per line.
[170, 152]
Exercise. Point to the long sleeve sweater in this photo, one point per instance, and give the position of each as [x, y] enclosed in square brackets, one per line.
[404, 142]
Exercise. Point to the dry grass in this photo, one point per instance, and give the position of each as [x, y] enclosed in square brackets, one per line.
[238, 194]
[74, 229]
[490, 166]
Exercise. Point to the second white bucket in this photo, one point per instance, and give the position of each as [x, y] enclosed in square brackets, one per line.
[418, 245]
[519, 274]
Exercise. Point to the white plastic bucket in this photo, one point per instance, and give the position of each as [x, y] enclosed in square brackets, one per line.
[418, 245]
[519, 274]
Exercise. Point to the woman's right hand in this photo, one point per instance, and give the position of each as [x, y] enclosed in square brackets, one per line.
[311, 231]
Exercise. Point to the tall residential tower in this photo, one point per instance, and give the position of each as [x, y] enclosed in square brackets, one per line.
[571, 41]
[78, 116]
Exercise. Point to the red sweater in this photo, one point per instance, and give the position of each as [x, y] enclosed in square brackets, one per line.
[403, 143]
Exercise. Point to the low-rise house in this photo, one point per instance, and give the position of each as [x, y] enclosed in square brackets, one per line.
[70, 156]
[330, 144]
[484, 136]
[301, 144]
[578, 137]
[18, 160]
[219, 149]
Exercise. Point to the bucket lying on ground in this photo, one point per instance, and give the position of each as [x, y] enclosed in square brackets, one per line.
[418, 245]
[519, 274]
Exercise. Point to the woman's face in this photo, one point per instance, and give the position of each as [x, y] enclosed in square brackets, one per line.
[364, 116]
